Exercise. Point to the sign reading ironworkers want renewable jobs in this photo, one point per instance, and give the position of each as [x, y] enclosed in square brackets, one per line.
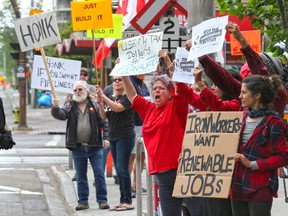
[64, 73]
[37, 31]
[207, 161]
[96, 14]
[138, 55]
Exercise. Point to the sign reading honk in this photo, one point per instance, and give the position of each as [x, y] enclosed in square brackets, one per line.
[96, 14]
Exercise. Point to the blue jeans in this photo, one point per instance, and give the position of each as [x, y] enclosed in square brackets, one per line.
[171, 206]
[121, 150]
[80, 155]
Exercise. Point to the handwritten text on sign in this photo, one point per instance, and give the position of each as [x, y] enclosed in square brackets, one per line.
[37, 31]
[207, 161]
[96, 14]
[138, 55]
[64, 73]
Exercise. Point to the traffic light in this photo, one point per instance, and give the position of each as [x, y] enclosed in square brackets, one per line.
[15, 53]
[37, 51]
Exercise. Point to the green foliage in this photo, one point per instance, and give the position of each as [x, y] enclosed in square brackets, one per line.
[269, 16]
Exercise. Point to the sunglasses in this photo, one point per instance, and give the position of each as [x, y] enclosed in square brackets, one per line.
[117, 79]
[83, 75]
[78, 89]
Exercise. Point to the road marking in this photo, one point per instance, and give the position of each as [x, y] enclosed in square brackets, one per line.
[55, 140]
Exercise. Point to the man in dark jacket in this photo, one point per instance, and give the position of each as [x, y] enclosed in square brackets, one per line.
[84, 139]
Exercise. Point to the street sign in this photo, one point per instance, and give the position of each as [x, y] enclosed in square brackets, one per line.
[20, 71]
[152, 11]
[170, 27]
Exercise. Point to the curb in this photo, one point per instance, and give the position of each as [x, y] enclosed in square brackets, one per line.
[65, 185]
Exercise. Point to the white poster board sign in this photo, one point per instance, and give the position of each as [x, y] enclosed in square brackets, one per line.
[184, 69]
[37, 31]
[138, 55]
[64, 73]
[208, 37]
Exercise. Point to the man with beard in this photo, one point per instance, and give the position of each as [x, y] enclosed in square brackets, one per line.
[84, 139]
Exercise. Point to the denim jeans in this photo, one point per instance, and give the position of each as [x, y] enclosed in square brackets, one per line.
[171, 206]
[121, 150]
[80, 155]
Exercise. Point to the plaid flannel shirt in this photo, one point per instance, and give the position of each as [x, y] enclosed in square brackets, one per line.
[268, 147]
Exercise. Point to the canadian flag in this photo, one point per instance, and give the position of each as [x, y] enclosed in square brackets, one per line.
[129, 8]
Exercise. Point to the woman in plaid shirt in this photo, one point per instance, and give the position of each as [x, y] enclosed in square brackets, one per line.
[262, 149]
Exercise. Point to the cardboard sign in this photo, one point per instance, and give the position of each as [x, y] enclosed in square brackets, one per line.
[253, 37]
[37, 31]
[138, 55]
[115, 32]
[208, 37]
[207, 162]
[96, 14]
[64, 73]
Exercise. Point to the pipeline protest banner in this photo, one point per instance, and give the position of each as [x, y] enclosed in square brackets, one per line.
[253, 37]
[64, 73]
[37, 31]
[115, 32]
[207, 160]
[96, 14]
[208, 37]
[183, 68]
[138, 55]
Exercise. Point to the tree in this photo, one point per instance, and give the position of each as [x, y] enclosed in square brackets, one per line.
[269, 16]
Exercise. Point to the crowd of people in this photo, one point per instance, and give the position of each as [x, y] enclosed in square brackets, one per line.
[121, 113]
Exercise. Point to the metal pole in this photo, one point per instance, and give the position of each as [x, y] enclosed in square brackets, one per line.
[138, 176]
[149, 189]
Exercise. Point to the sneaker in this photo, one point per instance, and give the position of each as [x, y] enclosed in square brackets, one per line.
[81, 206]
[104, 205]
[133, 193]
[144, 191]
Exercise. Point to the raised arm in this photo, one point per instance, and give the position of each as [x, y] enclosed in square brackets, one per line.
[129, 89]
[255, 62]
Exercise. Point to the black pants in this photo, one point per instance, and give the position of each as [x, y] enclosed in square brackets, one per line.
[251, 208]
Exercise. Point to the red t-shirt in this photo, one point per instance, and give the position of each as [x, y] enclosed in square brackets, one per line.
[163, 129]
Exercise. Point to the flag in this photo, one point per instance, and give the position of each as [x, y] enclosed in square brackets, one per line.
[129, 8]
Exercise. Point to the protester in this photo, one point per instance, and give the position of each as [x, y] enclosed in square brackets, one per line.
[227, 83]
[142, 90]
[262, 149]
[6, 140]
[121, 135]
[84, 139]
[163, 129]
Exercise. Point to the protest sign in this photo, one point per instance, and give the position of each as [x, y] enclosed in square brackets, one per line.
[96, 14]
[253, 38]
[138, 55]
[207, 161]
[115, 32]
[184, 69]
[208, 37]
[37, 31]
[64, 73]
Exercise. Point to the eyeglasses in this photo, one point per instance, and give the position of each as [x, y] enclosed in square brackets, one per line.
[83, 75]
[78, 89]
[117, 79]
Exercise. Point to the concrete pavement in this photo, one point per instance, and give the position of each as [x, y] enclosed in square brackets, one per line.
[40, 121]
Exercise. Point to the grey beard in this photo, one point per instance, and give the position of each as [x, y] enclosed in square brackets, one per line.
[80, 99]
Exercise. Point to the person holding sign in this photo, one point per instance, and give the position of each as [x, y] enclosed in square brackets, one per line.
[84, 139]
[163, 129]
[262, 149]
[221, 77]
[121, 135]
